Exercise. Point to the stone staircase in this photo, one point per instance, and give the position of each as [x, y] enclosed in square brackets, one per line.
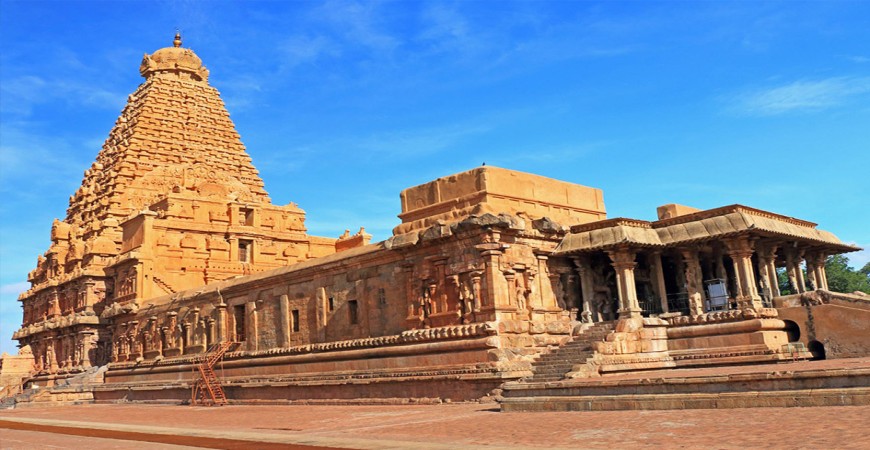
[163, 285]
[843, 382]
[73, 390]
[554, 365]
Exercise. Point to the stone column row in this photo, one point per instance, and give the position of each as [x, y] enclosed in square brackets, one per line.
[816, 276]
[740, 250]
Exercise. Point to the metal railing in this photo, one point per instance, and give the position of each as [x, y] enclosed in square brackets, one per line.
[679, 302]
[650, 305]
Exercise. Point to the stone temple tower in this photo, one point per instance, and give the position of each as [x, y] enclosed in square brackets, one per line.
[172, 202]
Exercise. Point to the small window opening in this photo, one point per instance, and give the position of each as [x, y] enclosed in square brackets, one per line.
[382, 297]
[353, 311]
[246, 216]
[245, 249]
[331, 304]
[295, 318]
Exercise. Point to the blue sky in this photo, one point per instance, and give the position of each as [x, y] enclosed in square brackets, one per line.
[343, 104]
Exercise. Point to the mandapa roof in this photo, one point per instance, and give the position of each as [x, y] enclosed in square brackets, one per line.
[696, 227]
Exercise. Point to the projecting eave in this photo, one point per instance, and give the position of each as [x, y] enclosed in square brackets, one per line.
[608, 234]
[709, 225]
[738, 219]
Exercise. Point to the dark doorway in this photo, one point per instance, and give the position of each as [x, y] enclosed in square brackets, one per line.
[793, 330]
[817, 349]
[239, 319]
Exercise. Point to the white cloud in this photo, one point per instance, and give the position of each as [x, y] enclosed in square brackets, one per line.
[858, 259]
[802, 96]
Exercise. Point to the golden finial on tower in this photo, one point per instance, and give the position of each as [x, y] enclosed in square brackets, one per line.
[177, 41]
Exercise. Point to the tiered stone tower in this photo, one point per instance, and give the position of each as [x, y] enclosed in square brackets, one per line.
[172, 192]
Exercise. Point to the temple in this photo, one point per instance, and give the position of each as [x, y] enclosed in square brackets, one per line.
[172, 257]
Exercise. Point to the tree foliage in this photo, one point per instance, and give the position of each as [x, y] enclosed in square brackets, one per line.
[841, 277]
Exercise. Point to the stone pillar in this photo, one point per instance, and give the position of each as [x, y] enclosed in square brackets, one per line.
[694, 276]
[476, 290]
[545, 294]
[812, 284]
[767, 270]
[411, 297]
[89, 297]
[624, 264]
[587, 288]
[170, 333]
[440, 298]
[802, 284]
[284, 336]
[510, 279]
[819, 277]
[187, 340]
[51, 354]
[88, 341]
[496, 292]
[558, 290]
[323, 318]
[251, 328]
[822, 275]
[531, 282]
[210, 331]
[740, 250]
[771, 270]
[793, 266]
[53, 307]
[221, 328]
[658, 278]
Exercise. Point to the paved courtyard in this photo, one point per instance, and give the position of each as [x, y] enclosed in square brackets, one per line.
[446, 426]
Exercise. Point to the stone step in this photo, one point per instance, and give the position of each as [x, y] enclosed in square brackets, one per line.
[770, 387]
[552, 361]
[749, 399]
[555, 366]
[563, 355]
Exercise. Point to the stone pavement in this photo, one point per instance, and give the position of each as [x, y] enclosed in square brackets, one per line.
[446, 426]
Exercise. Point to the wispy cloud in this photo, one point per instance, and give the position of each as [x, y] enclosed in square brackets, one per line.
[21, 94]
[562, 154]
[798, 96]
[300, 49]
[420, 141]
[14, 288]
[42, 162]
[359, 22]
[859, 59]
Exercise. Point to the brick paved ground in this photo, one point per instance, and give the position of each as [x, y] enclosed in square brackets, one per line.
[455, 426]
[31, 440]
[469, 425]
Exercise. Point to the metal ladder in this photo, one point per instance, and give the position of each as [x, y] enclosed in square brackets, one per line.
[208, 386]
